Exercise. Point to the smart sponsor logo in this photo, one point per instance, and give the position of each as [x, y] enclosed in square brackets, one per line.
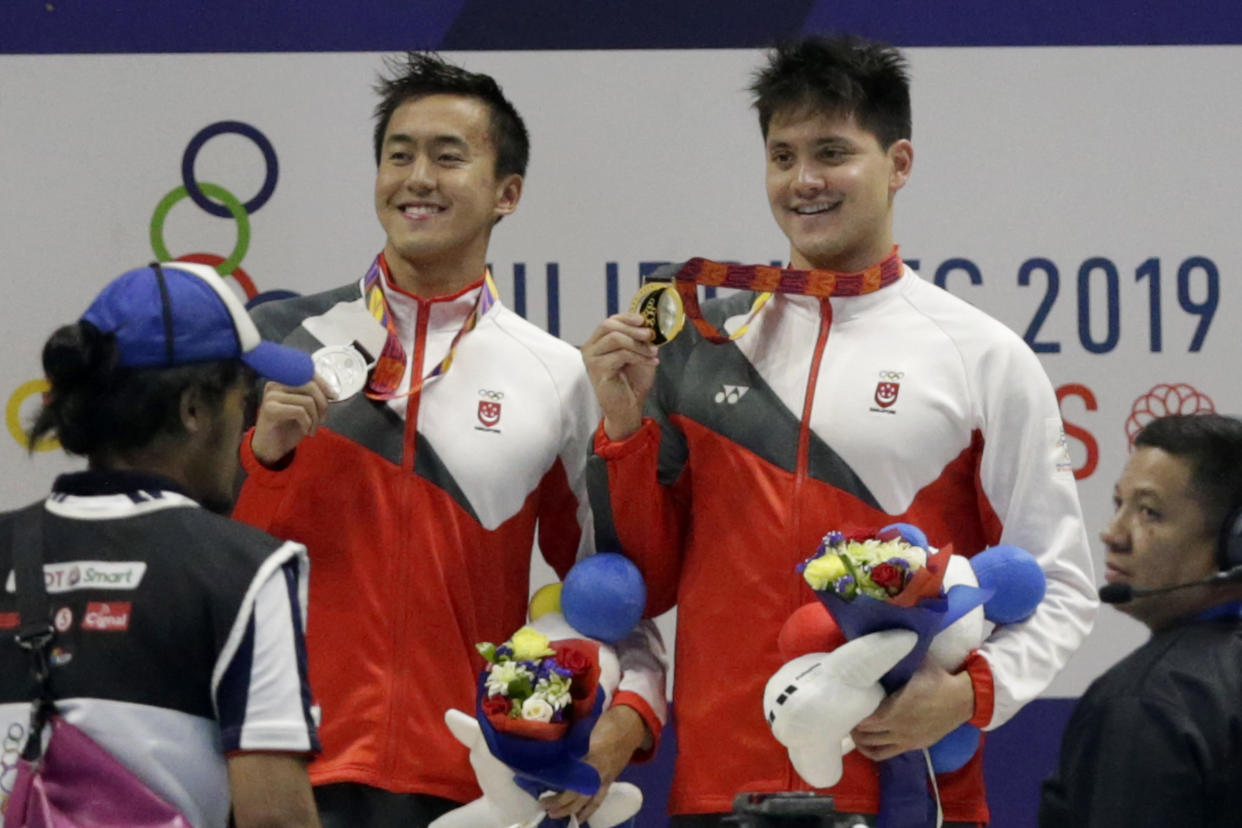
[74, 575]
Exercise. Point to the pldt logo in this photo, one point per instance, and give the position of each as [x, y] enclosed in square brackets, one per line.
[731, 393]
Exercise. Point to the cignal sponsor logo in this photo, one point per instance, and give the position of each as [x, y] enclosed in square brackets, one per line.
[107, 617]
[74, 575]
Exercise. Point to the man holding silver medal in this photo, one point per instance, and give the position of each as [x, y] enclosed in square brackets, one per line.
[442, 437]
[843, 393]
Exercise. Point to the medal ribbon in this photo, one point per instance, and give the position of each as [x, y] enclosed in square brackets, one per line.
[390, 367]
[769, 280]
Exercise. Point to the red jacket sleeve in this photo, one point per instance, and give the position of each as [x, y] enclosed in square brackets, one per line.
[649, 518]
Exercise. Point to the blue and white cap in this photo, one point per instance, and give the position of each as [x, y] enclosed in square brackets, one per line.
[179, 313]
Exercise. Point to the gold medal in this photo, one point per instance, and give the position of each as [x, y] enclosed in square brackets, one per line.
[660, 306]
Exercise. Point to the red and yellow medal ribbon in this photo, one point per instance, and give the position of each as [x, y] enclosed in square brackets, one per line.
[769, 280]
[389, 369]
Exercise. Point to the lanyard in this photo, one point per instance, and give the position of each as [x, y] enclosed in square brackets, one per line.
[390, 367]
[771, 280]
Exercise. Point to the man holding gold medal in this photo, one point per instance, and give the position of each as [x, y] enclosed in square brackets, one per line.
[841, 393]
[443, 434]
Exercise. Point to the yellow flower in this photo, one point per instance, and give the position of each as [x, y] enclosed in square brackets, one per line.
[529, 644]
[824, 570]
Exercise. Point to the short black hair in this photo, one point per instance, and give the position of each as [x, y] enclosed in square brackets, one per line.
[841, 76]
[97, 407]
[1212, 444]
[419, 74]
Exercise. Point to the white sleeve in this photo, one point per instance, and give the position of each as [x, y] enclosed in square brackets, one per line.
[644, 667]
[1027, 477]
[259, 686]
[580, 415]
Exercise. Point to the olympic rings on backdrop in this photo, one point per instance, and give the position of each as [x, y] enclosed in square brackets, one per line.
[12, 415]
[204, 135]
[219, 202]
[235, 209]
[215, 200]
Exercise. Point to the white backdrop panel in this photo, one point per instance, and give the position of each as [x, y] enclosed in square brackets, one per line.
[1117, 156]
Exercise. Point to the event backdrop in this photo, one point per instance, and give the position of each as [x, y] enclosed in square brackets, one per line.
[1089, 197]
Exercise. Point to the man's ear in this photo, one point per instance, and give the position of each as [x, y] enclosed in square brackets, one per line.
[194, 411]
[508, 194]
[901, 156]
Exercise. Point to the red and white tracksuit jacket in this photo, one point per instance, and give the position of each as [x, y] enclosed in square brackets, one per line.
[419, 515]
[844, 413]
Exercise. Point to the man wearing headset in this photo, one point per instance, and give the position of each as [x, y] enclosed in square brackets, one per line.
[1157, 740]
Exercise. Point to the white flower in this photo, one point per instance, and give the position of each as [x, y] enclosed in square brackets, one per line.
[556, 690]
[872, 551]
[502, 675]
[537, 709]
[867, 551]
[917, 556]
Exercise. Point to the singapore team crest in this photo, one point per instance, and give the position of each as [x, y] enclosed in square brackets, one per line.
[489, 407]
[887, 388]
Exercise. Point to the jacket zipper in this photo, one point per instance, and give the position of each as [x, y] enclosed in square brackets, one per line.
[803, 460]
[401, 621]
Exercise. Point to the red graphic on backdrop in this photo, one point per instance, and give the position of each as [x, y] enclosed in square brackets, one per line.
[1162, 400]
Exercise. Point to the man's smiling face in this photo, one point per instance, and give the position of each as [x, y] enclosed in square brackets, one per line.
[830, 186]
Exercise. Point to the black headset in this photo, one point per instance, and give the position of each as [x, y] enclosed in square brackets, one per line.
[1229, 544]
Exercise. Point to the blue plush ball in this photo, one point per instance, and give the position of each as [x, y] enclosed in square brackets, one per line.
[604, 596]
[910, 533]
[1015, 575]
[955, 749]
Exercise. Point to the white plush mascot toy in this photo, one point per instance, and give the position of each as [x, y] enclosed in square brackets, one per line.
[815, 700]
[604, 595]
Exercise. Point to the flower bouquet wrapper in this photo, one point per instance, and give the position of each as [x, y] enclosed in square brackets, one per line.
[922, 607]
[548, 755]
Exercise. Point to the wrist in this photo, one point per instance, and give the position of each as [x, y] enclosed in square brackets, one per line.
[267, 455]
[620, 429]
[963, 697]
[619, 734]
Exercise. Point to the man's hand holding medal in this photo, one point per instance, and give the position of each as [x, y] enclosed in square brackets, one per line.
[286, 415]
[621, 355]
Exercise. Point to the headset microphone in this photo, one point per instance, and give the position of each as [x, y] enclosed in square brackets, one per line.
[1124, 593]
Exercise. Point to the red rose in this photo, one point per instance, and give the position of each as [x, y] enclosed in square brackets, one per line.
[888, 576]
[573, 660]
[496, 706]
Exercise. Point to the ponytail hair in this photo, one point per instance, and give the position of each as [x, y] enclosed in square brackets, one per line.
[80, 365]
[95, 404]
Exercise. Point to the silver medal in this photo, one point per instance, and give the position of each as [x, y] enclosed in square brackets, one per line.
[342, 368]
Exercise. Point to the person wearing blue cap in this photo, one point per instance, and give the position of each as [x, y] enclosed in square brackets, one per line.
[176, 634]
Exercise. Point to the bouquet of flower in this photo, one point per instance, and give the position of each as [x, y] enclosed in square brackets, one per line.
[892, 579]
[862, 564]
[536, 687]
[540, 695]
